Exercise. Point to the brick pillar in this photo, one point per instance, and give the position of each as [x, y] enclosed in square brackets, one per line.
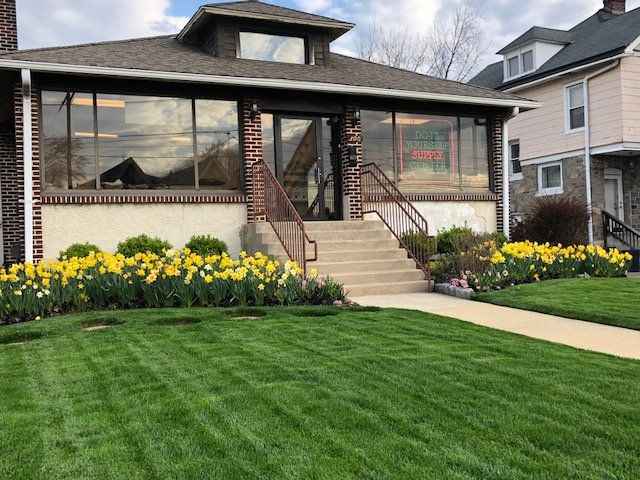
[13, 188]
[251, 152]
[351, 136]
[8, 26]
[497, 124]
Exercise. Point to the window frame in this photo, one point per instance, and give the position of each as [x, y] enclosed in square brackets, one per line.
[513, 175]
[568, 109]
[543, 192]
[308, 44]
[54, 192]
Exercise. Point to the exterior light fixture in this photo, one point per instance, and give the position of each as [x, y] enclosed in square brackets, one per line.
[255, 110]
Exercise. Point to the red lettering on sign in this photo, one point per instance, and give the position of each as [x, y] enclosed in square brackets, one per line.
[427, 155]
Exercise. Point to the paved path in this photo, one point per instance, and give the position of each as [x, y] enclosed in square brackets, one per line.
[617, 341]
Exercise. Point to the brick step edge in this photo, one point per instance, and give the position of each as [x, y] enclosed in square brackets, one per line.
[459, 292]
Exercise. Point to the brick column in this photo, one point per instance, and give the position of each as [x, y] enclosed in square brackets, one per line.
[497, 124]
[251, 152]
[13, 214]
[8, 26]
[351, 136]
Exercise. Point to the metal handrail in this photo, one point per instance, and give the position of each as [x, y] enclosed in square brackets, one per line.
[616, 228]
[381, 196]
[322, 189]
[274, 203]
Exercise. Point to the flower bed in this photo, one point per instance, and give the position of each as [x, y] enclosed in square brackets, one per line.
[526, 262]
[177, 279]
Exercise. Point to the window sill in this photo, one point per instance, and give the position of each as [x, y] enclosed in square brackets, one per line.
[549, 192]
[516, 177]
[575, 130]
[123, 197]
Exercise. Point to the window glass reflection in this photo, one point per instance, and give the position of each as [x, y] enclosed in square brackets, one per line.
[273, 48]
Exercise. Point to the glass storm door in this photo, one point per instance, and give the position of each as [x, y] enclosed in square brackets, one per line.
[305, 156]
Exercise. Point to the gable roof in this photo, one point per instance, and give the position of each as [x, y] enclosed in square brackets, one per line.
[256, 10]
[539, 33]
[600, 36]
[168, 58]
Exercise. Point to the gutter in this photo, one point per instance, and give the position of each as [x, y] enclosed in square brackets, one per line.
[275, 83]
[587, 140]
[27, 164]
[506, 184]
[628, 53]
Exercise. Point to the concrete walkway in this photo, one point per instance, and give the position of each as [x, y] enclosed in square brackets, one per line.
[616, 341]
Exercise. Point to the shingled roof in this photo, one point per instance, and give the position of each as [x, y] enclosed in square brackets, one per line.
[168, 54]
[600, 36]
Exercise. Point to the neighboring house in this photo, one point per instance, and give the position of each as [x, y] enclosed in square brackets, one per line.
[161, 136]
[585, 139]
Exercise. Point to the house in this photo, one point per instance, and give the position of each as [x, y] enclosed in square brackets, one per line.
[245, 125]
[585, 139]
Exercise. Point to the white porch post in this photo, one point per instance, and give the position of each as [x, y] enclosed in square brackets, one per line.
[27, 133]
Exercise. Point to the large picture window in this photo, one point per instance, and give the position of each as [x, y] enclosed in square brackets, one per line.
[272, 48]
[428, 153]
[132, 142]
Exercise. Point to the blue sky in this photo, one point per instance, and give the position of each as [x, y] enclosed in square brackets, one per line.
[65, 22]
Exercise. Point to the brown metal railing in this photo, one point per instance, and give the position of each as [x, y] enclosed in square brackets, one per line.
[381, 196]
[616, 228]
[327, 186]
[278, 210]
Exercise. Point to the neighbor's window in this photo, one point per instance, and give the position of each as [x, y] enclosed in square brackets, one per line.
[527, 61]
[273, 48]
[514, 157]
[139, 142]
[575, 107]
[429, 153]
[513, 66]
[550, 179]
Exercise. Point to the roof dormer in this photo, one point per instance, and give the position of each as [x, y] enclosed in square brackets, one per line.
[253, 30]
[531, 50]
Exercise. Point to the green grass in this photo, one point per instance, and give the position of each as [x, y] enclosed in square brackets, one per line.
[612, 301]
[308, 393]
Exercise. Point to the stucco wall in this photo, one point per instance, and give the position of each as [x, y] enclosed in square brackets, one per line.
[106, 225]
[480, 216]
[542, 131]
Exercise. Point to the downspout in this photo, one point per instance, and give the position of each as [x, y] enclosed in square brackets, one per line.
[27, 133]
[587, 141]
[506, 222]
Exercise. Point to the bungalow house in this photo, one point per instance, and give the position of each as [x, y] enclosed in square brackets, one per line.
[244, 125]
[585, 139]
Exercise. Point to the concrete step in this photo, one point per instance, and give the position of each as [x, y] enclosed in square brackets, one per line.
[360, 254]
[366, 265]
[381, 276]
[350, 245]
[359, 235]
[386, 288]
[342, 226]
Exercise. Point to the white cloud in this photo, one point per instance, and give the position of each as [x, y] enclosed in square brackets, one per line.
[68, 22]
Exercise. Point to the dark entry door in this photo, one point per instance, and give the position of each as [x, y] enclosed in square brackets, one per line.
[306, 165]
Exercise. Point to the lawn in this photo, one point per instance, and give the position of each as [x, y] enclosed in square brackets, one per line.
[612, 301]
[303, 393]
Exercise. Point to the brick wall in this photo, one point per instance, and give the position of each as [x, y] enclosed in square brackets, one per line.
[252, 152]
[351, 136]
[497, 125]
[8, 26]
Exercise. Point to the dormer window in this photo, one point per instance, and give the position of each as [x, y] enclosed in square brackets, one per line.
[272, 47]
[527, 61]
[513, 65]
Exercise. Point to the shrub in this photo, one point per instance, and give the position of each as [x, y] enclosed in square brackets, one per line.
[558, 219]
[419, 244]
[176, 279]
[206, 245]
[143, 244]
[464, 239]
[79, 250]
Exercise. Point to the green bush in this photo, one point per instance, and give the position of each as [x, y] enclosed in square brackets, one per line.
[205, 245]
[464, 239]
[143, 244]
[79, 250]
[420, 245]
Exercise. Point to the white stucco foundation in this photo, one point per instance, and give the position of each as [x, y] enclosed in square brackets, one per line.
[480, 216]
[106, 225]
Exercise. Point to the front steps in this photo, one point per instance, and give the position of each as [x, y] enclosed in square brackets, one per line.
[364, 256]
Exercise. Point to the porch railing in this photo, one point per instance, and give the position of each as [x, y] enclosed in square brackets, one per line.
[326, 186]
[615, 228]
[381, 196]
[275, 205]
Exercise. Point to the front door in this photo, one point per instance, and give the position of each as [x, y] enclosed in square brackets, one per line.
[307, 165]
[613, 193]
